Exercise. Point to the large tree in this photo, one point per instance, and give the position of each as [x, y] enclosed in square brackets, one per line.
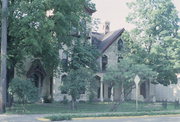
[155, 35]
[80, 68]
[37, 29]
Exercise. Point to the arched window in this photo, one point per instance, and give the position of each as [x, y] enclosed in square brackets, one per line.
[104, 62]
[63, 90]
[120, 44]
[64, 60]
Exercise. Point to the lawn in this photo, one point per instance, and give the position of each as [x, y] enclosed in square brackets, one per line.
[98, 107]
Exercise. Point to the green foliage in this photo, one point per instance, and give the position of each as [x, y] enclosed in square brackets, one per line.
[155, 37]
[24, 90]
[125, 72]
[83, 55]
[76, 82]
[39, 35]
[65, 100]
[59, 118]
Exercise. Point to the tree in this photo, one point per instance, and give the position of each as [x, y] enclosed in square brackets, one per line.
[76, 83]
[123, 74]
[156, 26]
[23, 90]
[80, 67]
[3, 56]
[40, 35]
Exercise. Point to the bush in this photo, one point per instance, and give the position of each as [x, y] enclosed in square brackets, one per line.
[176, 104]
[46, 99]
[65, 100]
[91, 97]
[24, 90]
[59, 118]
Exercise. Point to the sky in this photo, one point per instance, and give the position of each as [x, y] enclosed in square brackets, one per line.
[116, 11]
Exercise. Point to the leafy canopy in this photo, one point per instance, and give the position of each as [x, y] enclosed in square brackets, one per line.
[156, 37]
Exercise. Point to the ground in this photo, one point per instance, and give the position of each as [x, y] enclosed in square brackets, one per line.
[97, 112]
[38, 118]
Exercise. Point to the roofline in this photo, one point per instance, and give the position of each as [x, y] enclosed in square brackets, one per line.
[114, 39]
[89, 10]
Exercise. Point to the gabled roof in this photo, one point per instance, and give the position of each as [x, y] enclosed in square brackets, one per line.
[89, 10]
[103, 41]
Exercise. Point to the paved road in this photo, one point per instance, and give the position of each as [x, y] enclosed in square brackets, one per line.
[20, 118]
[136, 119]
[33, 118]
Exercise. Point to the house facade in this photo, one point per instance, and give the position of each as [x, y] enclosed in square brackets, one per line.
[109, 44]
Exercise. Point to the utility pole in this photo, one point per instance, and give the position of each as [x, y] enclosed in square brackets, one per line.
[3, 81]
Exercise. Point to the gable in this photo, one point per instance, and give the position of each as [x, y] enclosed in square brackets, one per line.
[102, 42]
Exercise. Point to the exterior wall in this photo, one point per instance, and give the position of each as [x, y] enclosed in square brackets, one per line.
[169, 93]
[132, 95]
[117, 92]
[112, 54]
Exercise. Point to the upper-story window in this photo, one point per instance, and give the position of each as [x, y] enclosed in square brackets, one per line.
[104, 62]
[120, 44]
[64, 60]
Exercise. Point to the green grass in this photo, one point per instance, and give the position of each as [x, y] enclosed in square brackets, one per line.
[58, 108]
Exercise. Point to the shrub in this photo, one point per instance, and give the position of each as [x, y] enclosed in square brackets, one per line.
[24, 90]
[65, 100]
[60, 118]
[176, 104]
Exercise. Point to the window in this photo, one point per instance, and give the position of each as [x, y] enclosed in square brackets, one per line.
[109, 92]
[120, 45]
[119, 58]
[63, 90]
[64, 60]
[104, 62]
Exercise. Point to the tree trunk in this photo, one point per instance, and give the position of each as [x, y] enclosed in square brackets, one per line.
[73, 105]
[10, 76]
[3, 56]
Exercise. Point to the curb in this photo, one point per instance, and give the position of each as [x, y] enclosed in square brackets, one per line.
[43, 119]
[124, 117]
[115, 117]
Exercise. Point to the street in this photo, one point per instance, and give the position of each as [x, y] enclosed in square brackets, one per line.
[36, 118]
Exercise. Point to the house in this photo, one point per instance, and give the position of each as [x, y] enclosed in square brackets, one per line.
[108, 44]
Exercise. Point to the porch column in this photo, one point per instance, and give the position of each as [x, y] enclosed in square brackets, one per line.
[122, 92]
[112, 94]
[101, 91]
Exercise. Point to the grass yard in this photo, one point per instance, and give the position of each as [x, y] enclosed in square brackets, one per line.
[58, 108]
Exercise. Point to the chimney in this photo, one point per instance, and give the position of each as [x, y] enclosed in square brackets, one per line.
[107, 27]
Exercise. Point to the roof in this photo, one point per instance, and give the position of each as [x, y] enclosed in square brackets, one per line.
[89, 10]
[103, 41]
